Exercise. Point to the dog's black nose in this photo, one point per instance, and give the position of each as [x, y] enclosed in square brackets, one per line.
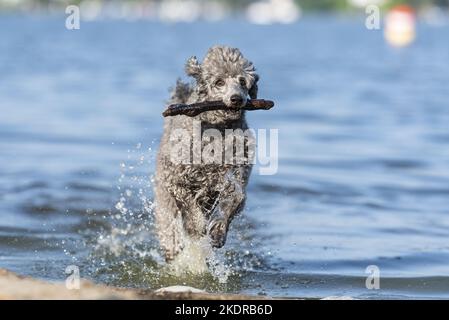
[236, 100]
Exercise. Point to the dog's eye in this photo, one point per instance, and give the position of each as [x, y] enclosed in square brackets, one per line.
[242, 82]
[219, 83]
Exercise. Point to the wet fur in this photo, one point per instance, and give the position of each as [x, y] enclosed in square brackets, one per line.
[202, 199]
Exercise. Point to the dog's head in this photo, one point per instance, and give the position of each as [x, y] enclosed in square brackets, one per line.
[224, 75]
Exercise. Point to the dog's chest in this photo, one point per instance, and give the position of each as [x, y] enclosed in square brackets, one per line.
[215, 155]
[197, 177]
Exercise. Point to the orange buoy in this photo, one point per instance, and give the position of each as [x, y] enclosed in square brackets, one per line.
[400, 26]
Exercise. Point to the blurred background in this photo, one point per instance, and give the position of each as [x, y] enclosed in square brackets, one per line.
[194, 9]
[265, 11]
[362, 114]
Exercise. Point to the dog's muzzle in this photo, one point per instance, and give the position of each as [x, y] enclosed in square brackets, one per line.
[236, 100]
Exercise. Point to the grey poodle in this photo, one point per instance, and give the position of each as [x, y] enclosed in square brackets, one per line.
[195, 200]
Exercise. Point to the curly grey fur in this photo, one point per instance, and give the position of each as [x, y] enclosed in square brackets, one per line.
[198, 199]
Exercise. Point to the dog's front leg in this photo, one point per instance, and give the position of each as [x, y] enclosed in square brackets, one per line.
[168, 224]
[230, 202]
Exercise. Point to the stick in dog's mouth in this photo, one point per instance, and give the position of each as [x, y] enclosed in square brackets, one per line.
[195, 109]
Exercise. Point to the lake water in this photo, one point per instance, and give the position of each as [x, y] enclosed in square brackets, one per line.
[363, 173]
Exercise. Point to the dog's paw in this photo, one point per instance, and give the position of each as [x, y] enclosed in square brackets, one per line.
[217, 232]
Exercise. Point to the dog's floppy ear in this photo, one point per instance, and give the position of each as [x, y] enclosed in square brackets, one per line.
[193, 68]
[253, 90]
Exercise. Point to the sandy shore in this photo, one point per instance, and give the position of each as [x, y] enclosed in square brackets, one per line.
[13, 286]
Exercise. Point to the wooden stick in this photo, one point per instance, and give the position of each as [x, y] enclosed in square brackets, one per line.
[195, 109]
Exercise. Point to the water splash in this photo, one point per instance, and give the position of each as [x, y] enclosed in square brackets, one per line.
[198, 257]
[128, 253]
